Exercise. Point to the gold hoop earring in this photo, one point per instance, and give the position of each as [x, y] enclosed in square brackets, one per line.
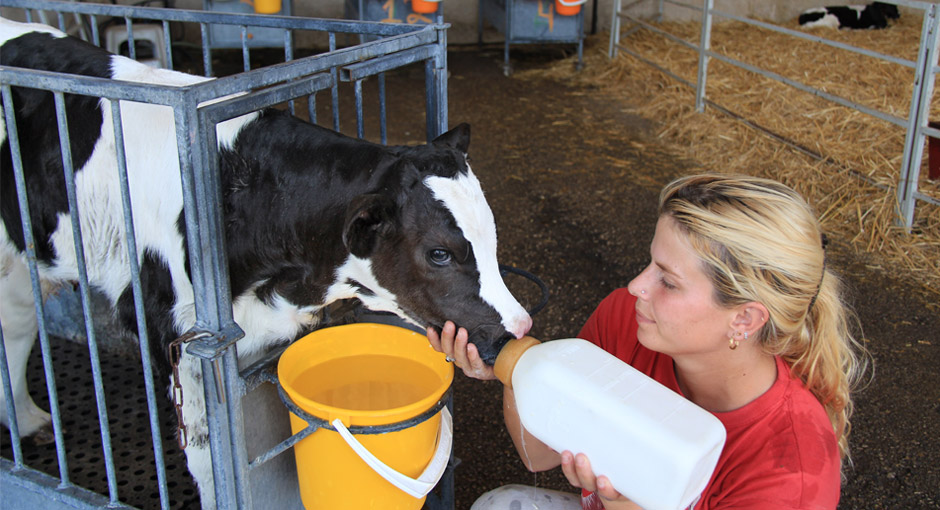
[732, 343]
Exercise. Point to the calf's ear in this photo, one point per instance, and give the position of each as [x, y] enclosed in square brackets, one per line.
[368, 217]
[458, 138]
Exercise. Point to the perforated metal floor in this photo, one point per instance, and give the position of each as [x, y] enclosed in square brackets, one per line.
[130, 428]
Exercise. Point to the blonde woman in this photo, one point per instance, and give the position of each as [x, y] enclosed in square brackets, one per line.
[738, 312]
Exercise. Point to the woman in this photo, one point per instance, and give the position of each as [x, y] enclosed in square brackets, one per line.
[738, 313]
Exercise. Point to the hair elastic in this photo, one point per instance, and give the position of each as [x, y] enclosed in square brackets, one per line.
[825, 242]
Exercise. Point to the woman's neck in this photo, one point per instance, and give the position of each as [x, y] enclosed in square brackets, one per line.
[729, 383]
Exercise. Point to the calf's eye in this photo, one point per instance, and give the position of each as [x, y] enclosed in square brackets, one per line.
[439, 257]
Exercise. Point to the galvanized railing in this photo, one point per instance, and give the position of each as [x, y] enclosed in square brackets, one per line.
[915, 124]
[392, 46]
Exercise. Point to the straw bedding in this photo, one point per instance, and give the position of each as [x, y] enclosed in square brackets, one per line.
[845, 162]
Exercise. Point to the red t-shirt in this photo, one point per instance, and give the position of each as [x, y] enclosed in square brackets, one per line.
[780, 453]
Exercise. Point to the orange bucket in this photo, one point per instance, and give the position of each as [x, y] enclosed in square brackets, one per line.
[423, 6]
[364, 375]
[568, 7]
[267, 6]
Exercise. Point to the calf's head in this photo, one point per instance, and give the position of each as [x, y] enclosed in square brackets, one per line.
[424, 245]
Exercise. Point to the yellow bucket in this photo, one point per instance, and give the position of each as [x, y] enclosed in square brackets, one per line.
[267, 6]
[367, 375]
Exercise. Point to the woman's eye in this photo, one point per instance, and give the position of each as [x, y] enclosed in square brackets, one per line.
[439, 257]
[666, 284]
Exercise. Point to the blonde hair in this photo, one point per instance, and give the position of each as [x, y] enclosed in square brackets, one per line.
[760, 241]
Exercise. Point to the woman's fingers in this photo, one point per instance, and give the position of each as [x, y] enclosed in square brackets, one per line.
[443, 341]
[435, 339]
[455, 343]
[606, 490]
[571, 472]
[475, 366]
[578, 471]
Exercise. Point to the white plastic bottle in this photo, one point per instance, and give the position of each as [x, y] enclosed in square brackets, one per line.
[656, 447]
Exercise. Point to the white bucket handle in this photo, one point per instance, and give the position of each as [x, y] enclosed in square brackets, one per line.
[421, 486]
[571, 4]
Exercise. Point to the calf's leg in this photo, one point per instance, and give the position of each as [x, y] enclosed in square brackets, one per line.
[18, 319]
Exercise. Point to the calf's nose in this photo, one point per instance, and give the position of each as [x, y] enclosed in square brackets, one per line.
[520, 326]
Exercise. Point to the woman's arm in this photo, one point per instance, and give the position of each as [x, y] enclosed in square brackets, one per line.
[453, 342]
[536, 455]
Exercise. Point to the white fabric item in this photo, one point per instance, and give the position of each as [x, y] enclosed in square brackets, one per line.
[524, 497]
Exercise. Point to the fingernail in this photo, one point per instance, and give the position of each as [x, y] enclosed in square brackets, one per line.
[602, 484]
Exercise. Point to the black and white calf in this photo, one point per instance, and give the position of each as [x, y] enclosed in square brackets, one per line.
[875, 15]
[311, 217]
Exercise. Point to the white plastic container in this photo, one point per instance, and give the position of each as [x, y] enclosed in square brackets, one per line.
[656, 447]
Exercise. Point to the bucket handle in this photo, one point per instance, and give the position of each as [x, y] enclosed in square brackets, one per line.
[416, 487]
[573, 3]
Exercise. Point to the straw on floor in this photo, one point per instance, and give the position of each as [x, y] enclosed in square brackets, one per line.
[845, 162]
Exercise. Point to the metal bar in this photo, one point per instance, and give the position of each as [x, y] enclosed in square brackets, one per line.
[8, 401]
[143, 334]
[312, 107]
[383, 127]
[442, 109]
[213, 305]
[220, 440]
[508, 37]
[357, 86]
[661, 69]
[220, 18]
[211, 287]
[235, 389]
[7, 98]
[284, 71]
[614, 30]
[371, 67]
[81, 26]
[288, 56]
[240, 105]
[334, 90]
[131, 46]
[32, 263]
[282, 447]
[88, 85]
[84, 288]
[662, 32]
[168, 44]
[25, 488]
[677, 4]
[430, 107]
[805, 88]
[917, 118]
[96, 36]
[246, 58]
[703, 49]
[206, 49]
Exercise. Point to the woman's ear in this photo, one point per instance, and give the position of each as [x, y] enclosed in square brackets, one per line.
[750, 317]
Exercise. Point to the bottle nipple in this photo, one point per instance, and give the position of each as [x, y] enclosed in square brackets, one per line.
[508, 357]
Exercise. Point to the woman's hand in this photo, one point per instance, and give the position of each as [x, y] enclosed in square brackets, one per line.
[455, 344]
[577, 469]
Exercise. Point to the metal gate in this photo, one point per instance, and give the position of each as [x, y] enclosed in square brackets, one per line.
[125, 461]
[915, 124]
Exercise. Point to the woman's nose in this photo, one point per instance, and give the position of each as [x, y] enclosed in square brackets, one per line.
[637, 285]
